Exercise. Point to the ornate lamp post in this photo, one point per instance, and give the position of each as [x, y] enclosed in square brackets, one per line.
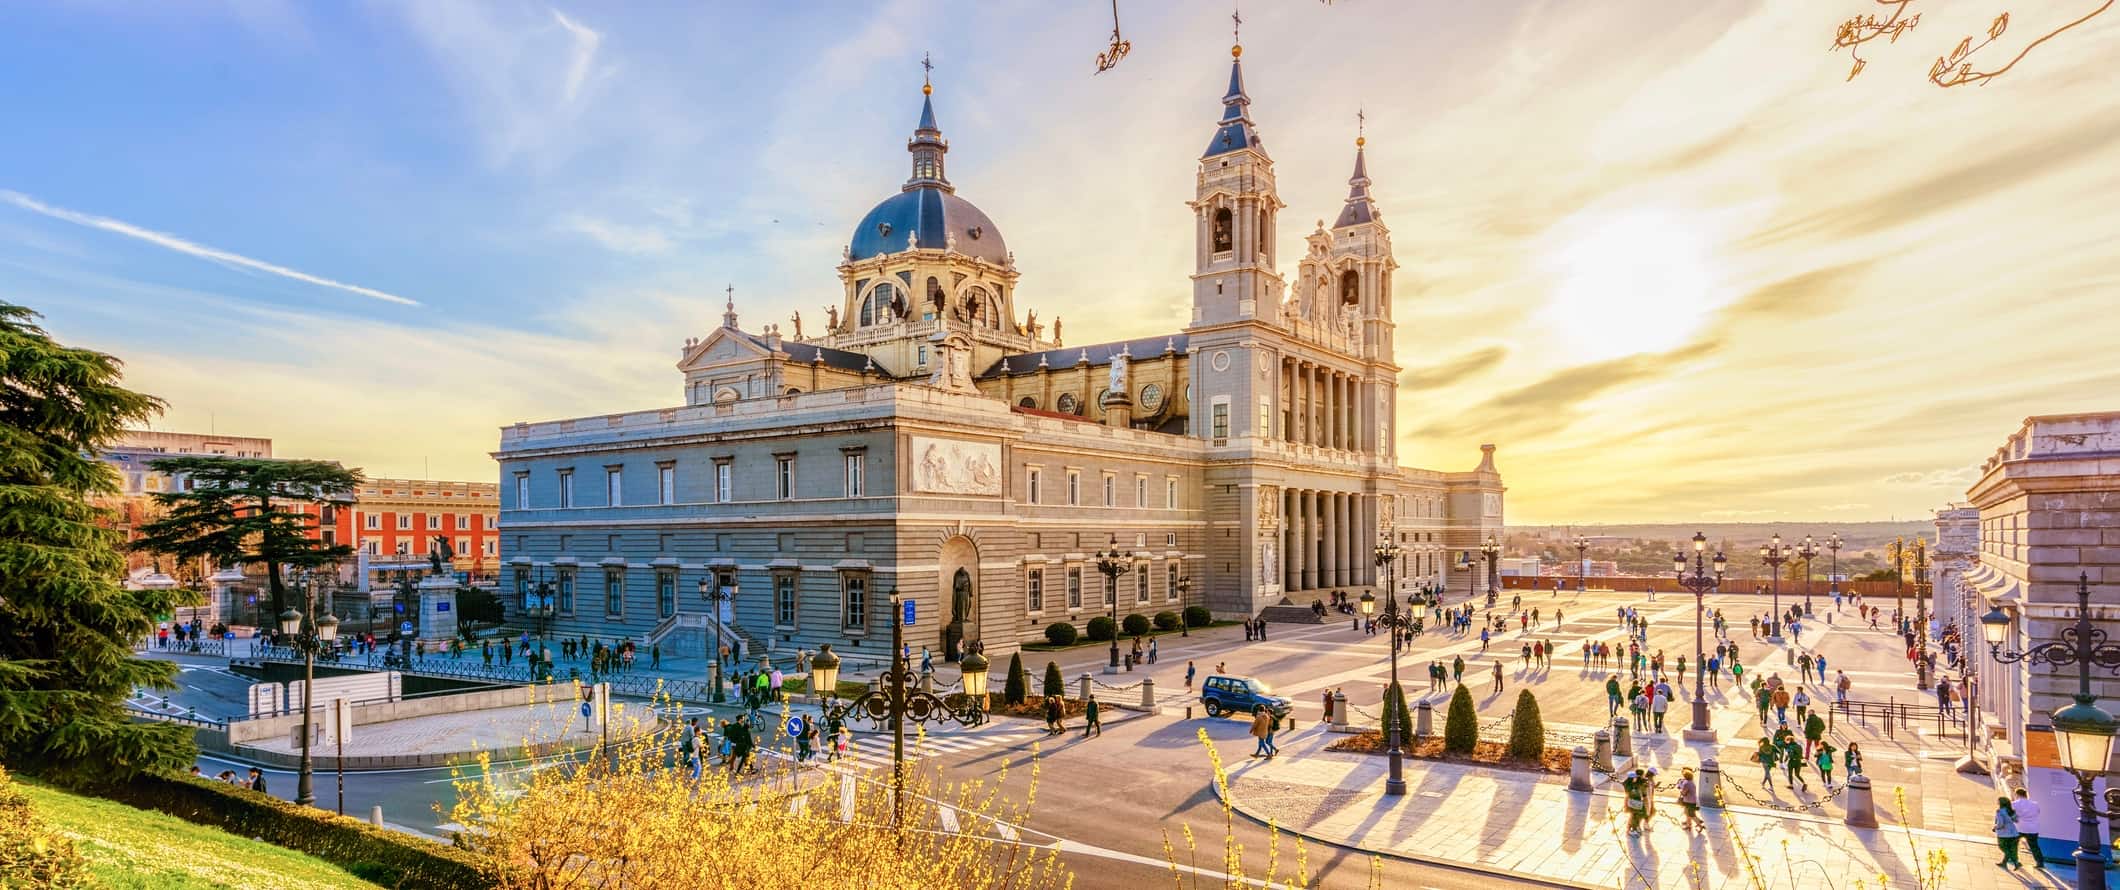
[897, 699]
[1493, 552]
[717, 595]
[1184, 600]
[1386, 555]
[1111, 562]
[1807, 552]
[1774, 553]
[1897, 550]
[323, 632]
[1700, 582]
[1466, 564]
[1921, 613]
[2083, 732]
[1582, 561]
[1833, 577]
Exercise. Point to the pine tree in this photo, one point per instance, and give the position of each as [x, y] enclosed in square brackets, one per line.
[1461, 728]
[248, 510]
[1019, 683]
[66, 625]
[1054, 686]
[1527, 733]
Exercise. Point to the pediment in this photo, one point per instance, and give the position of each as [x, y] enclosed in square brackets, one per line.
[724, 346]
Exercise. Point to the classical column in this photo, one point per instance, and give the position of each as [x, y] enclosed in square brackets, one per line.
[1339, 539]
[1338, 407]
[1284, 393]
[1290, 562]
[1306, 554]
[1332, 408]
[1310, 404]
[1348, 571]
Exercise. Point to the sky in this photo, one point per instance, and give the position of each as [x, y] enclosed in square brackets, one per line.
[1669, 258]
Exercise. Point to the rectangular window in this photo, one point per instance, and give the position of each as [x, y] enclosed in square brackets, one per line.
[492, 547]
[328, 536]
[853, 475]
[404, 548]
[614, 486]
[404, 522]
[784, 477]
[921, 359]
[372, 521]
[434, 521]
[329, 515]
[1170, 493]
[1141, 583]
[854, 601]
[614, 592]
[522, 491]
[463, 546]
[665, 594]
[1110, 486]
[724, 482]
[373, 546]
[1074, 588]
[1220, 426]
[1032, 484]
[1034, 590]
[784, 599]
[1111, 589]
[566, 489]
[463, 522]
[566, 591]
[666, 484]
[1074, 488]
[1170, 581]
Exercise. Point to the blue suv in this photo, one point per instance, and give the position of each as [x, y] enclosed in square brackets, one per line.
[1239, 695]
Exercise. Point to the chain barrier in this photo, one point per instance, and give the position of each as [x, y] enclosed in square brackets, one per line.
[1816, 806]
[1103, 685]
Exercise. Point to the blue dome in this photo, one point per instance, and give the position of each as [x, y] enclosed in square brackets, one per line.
[934, 214]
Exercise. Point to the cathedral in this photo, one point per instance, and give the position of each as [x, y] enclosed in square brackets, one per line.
[983, 463]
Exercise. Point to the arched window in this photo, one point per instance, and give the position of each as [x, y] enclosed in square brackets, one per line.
[793, 391]
[1027, 402]
[981, 307]
[1350, 287]
[1066, 404]
[1261, 231]
[1222, 234]
[936, 300]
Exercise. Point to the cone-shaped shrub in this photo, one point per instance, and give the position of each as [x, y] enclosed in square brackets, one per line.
[1054, 686]
[1461, 728]
[1019, 683]
[1527, 733]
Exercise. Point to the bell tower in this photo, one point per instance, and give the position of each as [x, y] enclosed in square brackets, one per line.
[1235, 211]
[1359, 258]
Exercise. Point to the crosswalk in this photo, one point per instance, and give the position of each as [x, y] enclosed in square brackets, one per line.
[873, 751]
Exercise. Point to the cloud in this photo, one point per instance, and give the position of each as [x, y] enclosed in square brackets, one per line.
[1551, 404]
[1735, 514]
[1802, 295]
[1841, 508]
[172, 242]
[582, 54]
[1452, 370]
[616, 235]
[1959, 477]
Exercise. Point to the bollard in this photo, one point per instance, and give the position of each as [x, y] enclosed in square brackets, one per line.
[927, 682]
[1424, 720]
[1862, 810]
[1579, 769]
[1339, 711]
[1622, 738]
[375, 815]
[1602, 757]
[1148, 695]
[1085, 681]
[1710, 786]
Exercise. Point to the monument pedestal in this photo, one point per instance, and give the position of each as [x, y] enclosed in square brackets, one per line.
[437, 619]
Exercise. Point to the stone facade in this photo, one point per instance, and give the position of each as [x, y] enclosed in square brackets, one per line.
[925, 444]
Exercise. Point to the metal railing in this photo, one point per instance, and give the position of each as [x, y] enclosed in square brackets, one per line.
[1892, 715]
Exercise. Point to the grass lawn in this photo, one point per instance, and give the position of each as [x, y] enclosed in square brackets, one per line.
[131, 848]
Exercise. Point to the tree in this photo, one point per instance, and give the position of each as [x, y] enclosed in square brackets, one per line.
[1019, 684]
[1054, 686]
[1395, 711]
[247, 510]
[1461, 727]
[477, 604]
[1527, 733]
[66, 624]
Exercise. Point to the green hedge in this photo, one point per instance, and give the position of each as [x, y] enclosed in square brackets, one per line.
[390, 858]
[1136, 624]
[1060, 633]
[1166, 621]
[1198, 616]
[1101, 629]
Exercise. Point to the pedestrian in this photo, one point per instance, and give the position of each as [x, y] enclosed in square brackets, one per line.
[1853, 759]
[1943, 696]
[1841, 687]
[1091, 725]
[805, 739]
[1152, 650]
[1802, 701]
[1497, 676]
[655, 655]
[257, 781]
[688, 748]
[1637, 788]
[1483, 639]
[1054, 715]
[842, 738]
[1612, 700]
[1261, 628]
[1765, 756]
[1639, 707]
[1189, 670]
[1792, 761]
[1457, 670]
[1525, 658]
[1820, 663]
[2027, 811]
[740, 742]
[1328, 705]
[1780, 699]
[1689, 801]
[1814, 733]
[1262, 726]
[2006, 834]
[1658, 704]
[1824, 760]
[1247, 631]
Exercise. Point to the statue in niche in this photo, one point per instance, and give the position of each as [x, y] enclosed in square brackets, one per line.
[831, 320]
[897, 304]
[1118, 378]
[961, 614]
[1030, 323]
[797, 319]
[1056, 331]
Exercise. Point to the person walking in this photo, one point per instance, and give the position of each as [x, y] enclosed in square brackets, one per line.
[1637, 788]
[1189, 671]
[1943, 697]
[1853, 759]
[1841, 687]
[1152, 650]
[1820, 664]
[1689, 802]
[1639, 708]
[1792, 761]
[1497, 676]
[1658, 704]
[1764, 699]
[1766, 754]
[1780, 699]
[1612, 701]
[1824, 761]
[688, 748]
[2027, 811]
[1055, 715]
[1802, 701]
[740, 743]
[1262, 727]
[2006, 835]
[1814, 733]
[1091, 723]
[1457, 670]
[805, 740]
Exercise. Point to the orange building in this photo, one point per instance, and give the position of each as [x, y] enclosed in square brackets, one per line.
[393, 524]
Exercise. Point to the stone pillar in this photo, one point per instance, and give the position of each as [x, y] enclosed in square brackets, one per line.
[1579, 769]
[1148, 696]
[1339, 712]
[1299, 508]
[1602, 755]
[375, 815]
[1084, 682]
[1862, 808]
[1423, 720]
[1622, 737]
[1710, 785]
[1348, 561]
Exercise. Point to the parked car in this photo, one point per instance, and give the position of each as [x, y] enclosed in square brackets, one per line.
[1239, 695]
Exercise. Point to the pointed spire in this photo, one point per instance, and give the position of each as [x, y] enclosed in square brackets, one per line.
[927, 145]
[728, 315]
[1235, 130]
[1361, 208]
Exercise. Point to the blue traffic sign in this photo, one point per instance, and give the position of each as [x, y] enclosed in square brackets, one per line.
[405, 627]
[587, 709]
[909, 613]
[794, 726]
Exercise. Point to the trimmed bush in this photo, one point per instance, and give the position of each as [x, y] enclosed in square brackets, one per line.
[1527, 733]
[1166, 621]
[387, 857]
[1019, 683]
[1100, 629]
[1198, 616]
[1060, 633]
[1395, 712]
[1055, 687]
[1461, 728]
[1135, 624]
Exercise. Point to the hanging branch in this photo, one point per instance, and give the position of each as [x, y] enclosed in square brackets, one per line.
[1862, 29]
[1956, 69]
[1119, 48]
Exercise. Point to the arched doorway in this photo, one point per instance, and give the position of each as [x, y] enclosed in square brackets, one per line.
[957, 586]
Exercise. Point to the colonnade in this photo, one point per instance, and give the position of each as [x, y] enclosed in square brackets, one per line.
[1323, 406]
[1327, 537]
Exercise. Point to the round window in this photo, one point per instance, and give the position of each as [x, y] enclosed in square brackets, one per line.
[1220, 360]
[1151, 397]
[1066, 404]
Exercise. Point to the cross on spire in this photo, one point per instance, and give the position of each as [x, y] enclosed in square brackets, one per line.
[728, 315]
[927, 68]
[1236, 25]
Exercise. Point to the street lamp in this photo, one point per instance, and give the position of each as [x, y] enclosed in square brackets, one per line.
[1700, 582]
[1898, 551]
[1184, 600]
[1111, 562]
[326, 630]
[897, 699]
[1921, 613]
[1582, 561]
[1807, 552]
[2083, 732]
[1833, 576]
[1774, 553]
[1493, 551]
[1386, 554]
[717, 595]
